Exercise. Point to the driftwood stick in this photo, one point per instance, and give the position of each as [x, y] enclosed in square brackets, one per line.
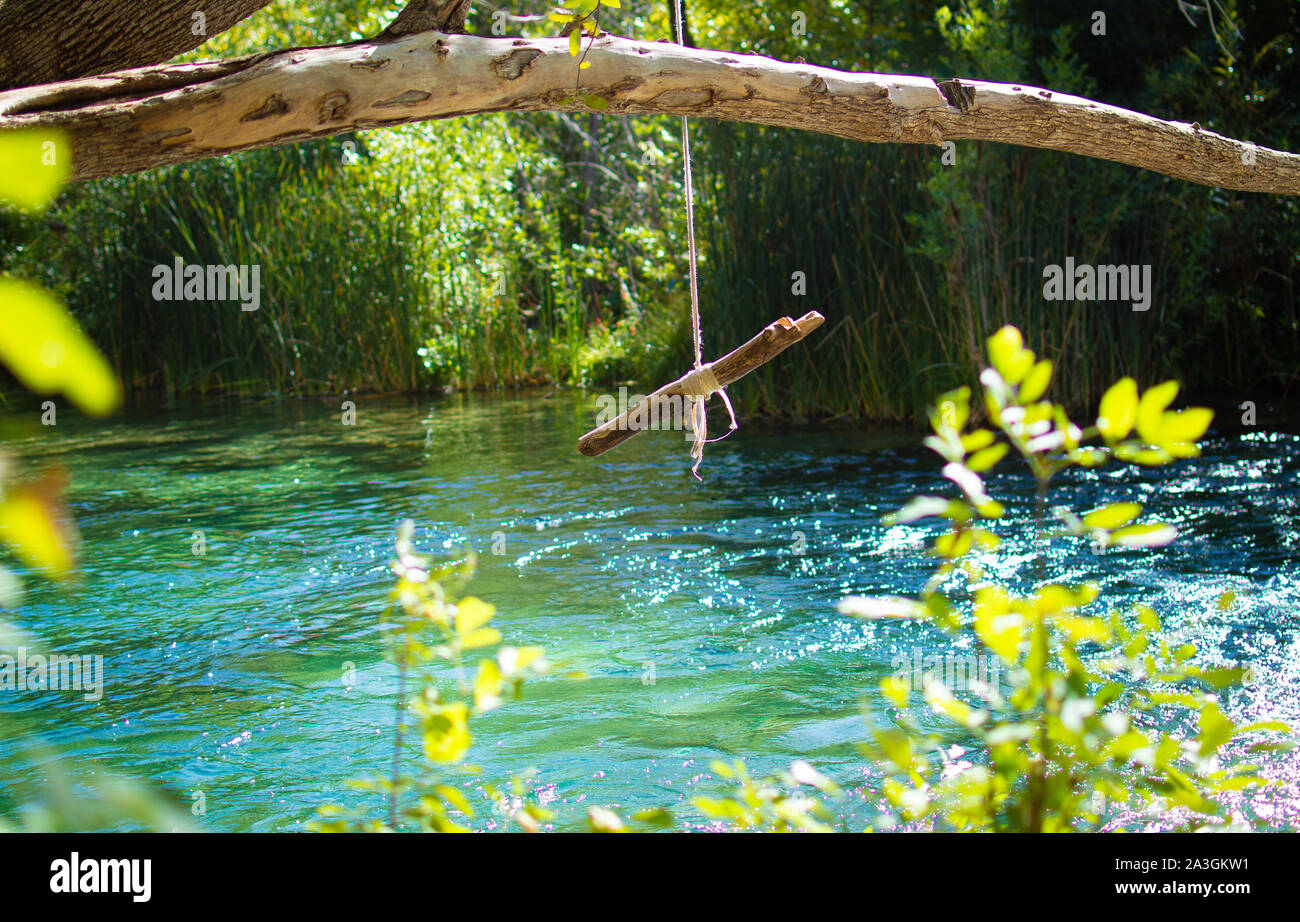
[767, 345]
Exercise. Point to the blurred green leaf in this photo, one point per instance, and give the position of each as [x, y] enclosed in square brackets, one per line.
[1113, 515]
[471, 614]
[1118, 410]
[1151, 411]
[47, 352]
[1185, 425]
[1152, 535]
[984, 459]
[35, 525]
[1009, 357]
[1216, 729]
[1036, 382]
[35, 164]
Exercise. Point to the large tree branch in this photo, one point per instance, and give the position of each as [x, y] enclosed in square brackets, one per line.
[138, 120]
[43, 41]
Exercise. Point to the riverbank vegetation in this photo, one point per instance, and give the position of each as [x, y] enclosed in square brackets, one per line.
[511, 250]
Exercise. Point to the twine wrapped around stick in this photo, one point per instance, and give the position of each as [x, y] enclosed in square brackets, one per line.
[698, 384]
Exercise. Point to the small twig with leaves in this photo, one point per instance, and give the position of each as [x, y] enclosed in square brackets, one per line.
[584, 17]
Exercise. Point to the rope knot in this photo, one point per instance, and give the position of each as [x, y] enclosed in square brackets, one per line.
[698, 385]
[699, 381]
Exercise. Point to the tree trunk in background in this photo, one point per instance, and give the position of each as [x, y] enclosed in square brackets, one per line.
[42, 41]
[424, 15]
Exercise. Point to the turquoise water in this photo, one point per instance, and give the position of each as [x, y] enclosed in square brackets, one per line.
[703, 622]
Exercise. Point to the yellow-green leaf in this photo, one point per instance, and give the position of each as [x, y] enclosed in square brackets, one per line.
[895, 689]
[602, 819]
[998, 627]
[47, 352]
[446, 732]
[1118, 411]
[487, 686]
[953, 544]
[941, 700]
[1035, 383]
[454, 797]
[34, 165]
[951, 410]
[1009, 356]
[1153, 535]
[980, 438]
[483, 637]
[472, 614]
[985, 458]
[515, 659]
[1112, 516]
[1082, 629]
[1151, 457]
[35, 526]
[1223, 676]
[921, 507]
[1185, 425]
[1130, 745]
[1151, 410]
[1216, 729]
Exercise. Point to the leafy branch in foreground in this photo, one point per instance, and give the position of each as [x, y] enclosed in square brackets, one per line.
[430, 626]
[1077, 738]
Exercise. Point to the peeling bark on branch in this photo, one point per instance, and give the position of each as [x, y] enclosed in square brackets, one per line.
[139, 120]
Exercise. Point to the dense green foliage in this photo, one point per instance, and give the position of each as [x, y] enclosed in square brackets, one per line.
[485, 252]
[507, 250]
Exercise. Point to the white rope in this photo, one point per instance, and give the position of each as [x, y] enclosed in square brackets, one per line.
[701, 382]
